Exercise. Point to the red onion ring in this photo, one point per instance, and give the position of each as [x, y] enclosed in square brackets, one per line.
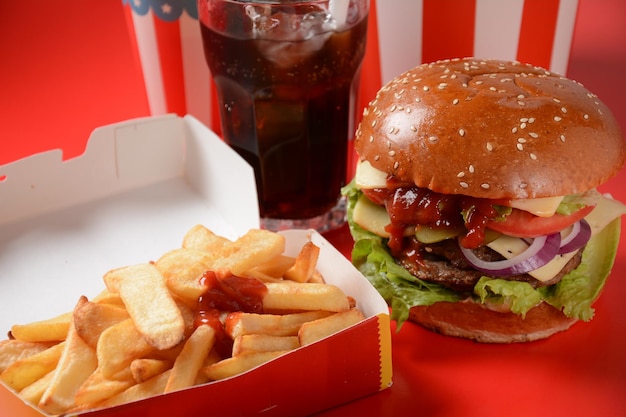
[577, 238]
[541, 251]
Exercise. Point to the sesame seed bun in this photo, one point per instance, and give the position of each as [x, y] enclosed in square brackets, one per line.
[491, 129]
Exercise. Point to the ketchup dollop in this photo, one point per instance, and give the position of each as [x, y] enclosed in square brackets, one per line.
[410, 205]
[226, 293]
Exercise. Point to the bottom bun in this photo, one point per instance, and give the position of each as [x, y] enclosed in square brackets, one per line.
[472, 320]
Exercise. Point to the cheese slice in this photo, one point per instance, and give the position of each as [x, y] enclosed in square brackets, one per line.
[542, 207]
[368, 177]
[371, 216]
[604, 213]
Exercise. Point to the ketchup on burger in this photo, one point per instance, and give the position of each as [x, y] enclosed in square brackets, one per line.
[474, 207]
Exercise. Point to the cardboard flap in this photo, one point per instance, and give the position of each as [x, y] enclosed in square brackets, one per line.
[139, 186]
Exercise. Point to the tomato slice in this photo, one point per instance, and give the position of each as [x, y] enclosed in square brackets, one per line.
[521, 223]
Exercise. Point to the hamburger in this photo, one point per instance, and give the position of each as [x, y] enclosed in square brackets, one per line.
[474, 209]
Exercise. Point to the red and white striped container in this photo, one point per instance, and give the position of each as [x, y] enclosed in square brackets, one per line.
[166, 37]
[402, 34]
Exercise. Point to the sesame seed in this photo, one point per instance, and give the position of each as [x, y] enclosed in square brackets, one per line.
[425, 88]
[471, 169]
[533, 156]
[462, 132]
[524, 119]
[520, 147]
[377, 157]
[374, 123]
[523, 185]
[533, 135]
[586, 116]
[522, 126]
[371, 139]
[464, 184]
[562, 137]
[521, 140]
[521, 103]
[484, 186]
[514, 130]
[460, 174]
[455, 101]
[531, 120]
[442, 86]
[392, 153]
[563, 109]
[396, 165]
[433, 139]
[557, 119]
[413, 128]
[600, 112]
[489, 146]
[393, 108]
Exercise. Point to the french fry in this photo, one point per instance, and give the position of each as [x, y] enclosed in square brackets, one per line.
[316, 278]
[203, 239]
[313, 331]
[287, 296]
[244, 253]
[32, 393]
[239, 364]
[98, 387]
[141, 336]
[51, 330]
[146, 368]
[15, 350]
[91, 319]
[253, 343]
[272, 270]
[182, 269]
[118, 346]
[189, 362]
[212, 358]
[24, 372]
[78, 360]
[108, 297]
[157, 317]
[304, 266]
[239, 323]
[153, 386]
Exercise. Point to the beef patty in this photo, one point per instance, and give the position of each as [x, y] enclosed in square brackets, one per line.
[444, 264]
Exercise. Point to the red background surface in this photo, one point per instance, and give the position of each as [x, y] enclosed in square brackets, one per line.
[60, 79]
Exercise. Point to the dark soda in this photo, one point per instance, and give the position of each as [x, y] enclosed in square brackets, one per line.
[288, 108]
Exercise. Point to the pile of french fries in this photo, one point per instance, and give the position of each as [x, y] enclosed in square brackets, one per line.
[140, 336]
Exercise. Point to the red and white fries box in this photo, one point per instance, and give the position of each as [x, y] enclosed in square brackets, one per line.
[133, 194]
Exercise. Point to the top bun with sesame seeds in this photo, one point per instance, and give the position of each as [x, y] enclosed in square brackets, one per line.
[474, 199]
[491, 129]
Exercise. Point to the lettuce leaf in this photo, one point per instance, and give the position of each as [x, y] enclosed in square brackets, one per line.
[574, 294]
[518, 296]
[577, 291]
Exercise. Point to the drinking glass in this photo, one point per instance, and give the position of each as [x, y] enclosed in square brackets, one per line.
[287, 76]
